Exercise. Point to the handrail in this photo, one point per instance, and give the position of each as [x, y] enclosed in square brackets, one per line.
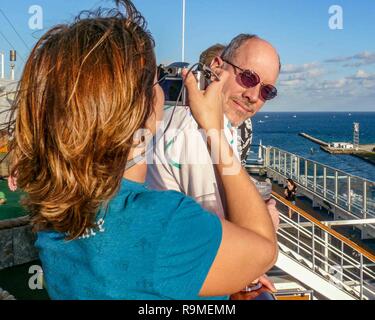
[321, 164]
[330, 231]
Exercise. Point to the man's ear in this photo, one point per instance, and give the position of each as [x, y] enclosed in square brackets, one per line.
[216, 62]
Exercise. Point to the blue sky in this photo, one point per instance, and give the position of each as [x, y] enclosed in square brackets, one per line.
[323, 69]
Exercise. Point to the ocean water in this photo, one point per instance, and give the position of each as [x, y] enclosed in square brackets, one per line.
[280, 129]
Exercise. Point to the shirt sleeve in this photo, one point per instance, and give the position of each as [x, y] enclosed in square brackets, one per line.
[187, 251]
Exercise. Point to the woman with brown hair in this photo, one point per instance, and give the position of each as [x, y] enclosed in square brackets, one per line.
[290, 192]
[86, 91]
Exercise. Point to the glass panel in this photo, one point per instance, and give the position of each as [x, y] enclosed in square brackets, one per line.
[282, 162]
[330, 185]
[288, 156]
[301, 179]
[370, 199]
[356, 196]
[342, 190]
[310, 175]
[294, 166]
[319, 179]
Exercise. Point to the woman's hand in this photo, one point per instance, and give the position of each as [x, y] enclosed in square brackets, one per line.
[12, 183]
[207, 106]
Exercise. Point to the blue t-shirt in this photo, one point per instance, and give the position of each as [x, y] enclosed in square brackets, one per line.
[152, 245]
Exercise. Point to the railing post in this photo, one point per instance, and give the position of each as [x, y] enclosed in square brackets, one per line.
[274, 159]
[298, 232]
[285, 164]
[336, 186]
[291, 166]
[324, 182]
[314, 177]
[313, 246]
[279, 162]
[267, 157]
[326, 252]
[361, 277]
[364, 199]
[342, 257]
[349, 193]
[298, 169]
[306, 173]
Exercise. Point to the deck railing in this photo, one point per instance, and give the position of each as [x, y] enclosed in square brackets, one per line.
[353, 194]
[325, 251]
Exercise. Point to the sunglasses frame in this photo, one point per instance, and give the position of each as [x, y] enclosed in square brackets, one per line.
[247, 71]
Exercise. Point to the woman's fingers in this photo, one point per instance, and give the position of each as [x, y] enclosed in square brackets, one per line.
[12, 183]
[191, 84]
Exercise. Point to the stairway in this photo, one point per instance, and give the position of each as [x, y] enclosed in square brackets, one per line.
[325, 283]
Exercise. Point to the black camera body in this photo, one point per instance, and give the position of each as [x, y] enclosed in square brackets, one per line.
[170, 79]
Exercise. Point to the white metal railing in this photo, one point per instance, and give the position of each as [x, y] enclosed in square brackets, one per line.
[353, 194]
[325, 252]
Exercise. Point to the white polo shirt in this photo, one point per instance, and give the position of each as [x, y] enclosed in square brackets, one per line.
[182, 162]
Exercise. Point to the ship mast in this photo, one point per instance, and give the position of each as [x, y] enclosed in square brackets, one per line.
[183, 30]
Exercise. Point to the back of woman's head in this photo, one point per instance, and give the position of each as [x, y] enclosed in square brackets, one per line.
[85, 89]
[292, 183]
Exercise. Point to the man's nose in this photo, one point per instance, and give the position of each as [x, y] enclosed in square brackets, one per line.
[252, 94]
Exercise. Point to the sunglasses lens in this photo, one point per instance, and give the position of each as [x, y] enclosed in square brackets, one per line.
[268, 92]
[249, 79]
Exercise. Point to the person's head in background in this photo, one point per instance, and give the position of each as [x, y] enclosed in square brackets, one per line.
[208, 55]
[291, 184]
[86, 88]
[251, 53]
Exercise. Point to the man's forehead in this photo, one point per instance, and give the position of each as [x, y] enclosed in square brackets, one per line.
[258, 55]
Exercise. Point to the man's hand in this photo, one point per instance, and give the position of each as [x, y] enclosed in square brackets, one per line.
[271, 206]
[207, 107]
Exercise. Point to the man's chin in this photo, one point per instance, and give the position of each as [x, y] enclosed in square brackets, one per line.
[236, 119]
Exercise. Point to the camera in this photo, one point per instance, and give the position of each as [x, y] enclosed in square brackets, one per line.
[170, 79]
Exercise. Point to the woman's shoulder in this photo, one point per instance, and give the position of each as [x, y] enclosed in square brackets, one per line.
[171, 199]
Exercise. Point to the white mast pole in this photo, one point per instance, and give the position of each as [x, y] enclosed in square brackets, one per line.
[2, 73]
[183, 30]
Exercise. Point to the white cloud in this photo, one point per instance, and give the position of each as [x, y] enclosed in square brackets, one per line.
[294, 68]
[357, 60]
[290, 82]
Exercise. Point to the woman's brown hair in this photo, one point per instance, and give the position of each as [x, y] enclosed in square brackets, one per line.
[85, 89]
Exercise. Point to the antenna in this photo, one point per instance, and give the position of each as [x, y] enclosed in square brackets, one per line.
[13, 59]
[183, 29]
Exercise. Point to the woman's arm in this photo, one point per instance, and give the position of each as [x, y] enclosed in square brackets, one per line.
[249, 247]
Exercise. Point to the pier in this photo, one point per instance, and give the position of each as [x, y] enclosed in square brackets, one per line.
[313, 139]
[365, 152]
